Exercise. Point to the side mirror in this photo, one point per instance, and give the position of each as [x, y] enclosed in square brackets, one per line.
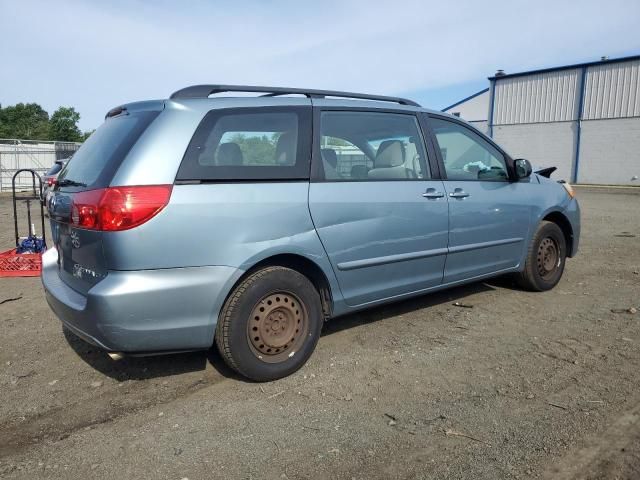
[523, 168]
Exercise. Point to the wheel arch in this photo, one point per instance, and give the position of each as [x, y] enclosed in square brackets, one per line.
[563, 222]
[302, 265]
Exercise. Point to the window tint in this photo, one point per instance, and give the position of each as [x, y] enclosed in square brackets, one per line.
[466, 155]
[340, 157]
[371, 146]
[97, 160]
[245, 144]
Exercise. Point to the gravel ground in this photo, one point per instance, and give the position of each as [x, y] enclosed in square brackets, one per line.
[522, 385]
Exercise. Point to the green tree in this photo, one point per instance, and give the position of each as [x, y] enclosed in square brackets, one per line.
[335, 142]
[87, 134]
[256, 150]
[28, 121]
[63, 125]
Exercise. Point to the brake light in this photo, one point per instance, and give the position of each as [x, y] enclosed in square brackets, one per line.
[51, 181]
[118, 208]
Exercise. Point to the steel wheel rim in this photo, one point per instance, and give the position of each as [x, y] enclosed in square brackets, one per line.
[278, 327]
[548, 257]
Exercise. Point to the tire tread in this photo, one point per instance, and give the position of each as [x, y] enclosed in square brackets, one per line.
[222, 335]
[526, 278]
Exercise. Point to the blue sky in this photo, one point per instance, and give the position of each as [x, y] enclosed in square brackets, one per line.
[96, 55]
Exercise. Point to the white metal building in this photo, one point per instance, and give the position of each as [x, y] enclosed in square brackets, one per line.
[474, 109]
[583, 119]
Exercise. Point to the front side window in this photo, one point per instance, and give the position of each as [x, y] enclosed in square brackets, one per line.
[269, 143]
[356, 146]
[466, 155]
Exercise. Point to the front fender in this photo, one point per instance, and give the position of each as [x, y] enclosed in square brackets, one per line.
[569, 213]
[572, 212]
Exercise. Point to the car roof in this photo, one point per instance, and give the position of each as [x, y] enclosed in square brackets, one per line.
[202, 98]
[204, 91]
[329, 98]
[245, 102]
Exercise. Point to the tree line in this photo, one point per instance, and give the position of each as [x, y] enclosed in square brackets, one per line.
[29, 121]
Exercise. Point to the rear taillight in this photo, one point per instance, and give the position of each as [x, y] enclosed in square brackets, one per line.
[118, 208]
[51, 181]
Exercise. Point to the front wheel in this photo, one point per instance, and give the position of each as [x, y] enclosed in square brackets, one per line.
[545, 260]
[270, 324]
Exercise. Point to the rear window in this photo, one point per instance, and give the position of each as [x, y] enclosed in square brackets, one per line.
[55, 169]
[97, 160]
[268, 143]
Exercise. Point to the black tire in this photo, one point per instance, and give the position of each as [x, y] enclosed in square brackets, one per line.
[270, 324]
[545, 259]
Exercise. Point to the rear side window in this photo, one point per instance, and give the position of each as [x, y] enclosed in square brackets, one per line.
[269, 143]
[97, 160]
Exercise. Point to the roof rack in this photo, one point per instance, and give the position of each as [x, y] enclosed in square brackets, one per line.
[203, 91]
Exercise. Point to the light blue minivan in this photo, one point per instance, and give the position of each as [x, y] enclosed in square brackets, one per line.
[249, 221]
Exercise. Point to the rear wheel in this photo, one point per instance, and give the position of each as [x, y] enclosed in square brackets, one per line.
[545, 260]
[270, 324]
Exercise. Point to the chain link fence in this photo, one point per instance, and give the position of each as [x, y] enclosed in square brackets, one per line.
[33, 154]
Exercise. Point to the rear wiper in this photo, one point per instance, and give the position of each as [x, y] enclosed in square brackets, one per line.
[70, 183]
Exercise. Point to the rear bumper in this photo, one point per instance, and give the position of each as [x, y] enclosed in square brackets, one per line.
[142, 311]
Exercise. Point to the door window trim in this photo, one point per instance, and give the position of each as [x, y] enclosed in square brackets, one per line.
[434, 141]
[317, 170]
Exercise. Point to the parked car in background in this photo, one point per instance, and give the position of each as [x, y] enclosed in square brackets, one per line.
[250, 221]
[49, 179]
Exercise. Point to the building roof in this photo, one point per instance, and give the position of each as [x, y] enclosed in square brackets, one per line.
[565, 67]
[465, 99]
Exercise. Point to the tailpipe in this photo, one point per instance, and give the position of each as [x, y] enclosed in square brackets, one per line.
[115, 356]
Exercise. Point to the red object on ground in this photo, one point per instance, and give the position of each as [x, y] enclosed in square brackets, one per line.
[14, 264]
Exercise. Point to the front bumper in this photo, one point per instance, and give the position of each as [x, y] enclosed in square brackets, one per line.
[142, 311]
[572, 211]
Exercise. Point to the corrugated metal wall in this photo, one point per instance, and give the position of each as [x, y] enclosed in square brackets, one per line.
[612, 91]
[536, 117]
[544, 97]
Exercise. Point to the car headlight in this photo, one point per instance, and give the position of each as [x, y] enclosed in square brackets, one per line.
[570, 191]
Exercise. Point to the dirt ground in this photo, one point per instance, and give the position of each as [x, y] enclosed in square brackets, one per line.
[522, 385]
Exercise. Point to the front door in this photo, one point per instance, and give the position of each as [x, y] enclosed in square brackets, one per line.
[381, 218]
[489, 216]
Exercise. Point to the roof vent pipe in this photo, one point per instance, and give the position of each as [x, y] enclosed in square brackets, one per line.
[604, 58]
[500, 73]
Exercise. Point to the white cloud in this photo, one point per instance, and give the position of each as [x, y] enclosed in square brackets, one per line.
[93, 56]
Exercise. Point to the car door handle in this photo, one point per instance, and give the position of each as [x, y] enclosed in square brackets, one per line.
[458, 193]
[432, 193]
